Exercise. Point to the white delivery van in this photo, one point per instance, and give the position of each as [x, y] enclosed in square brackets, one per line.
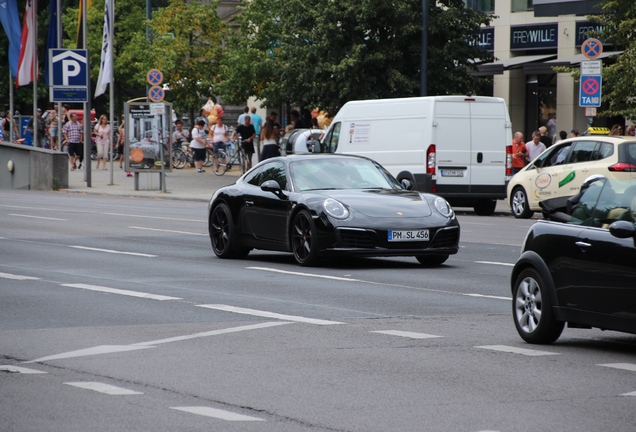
[455, 146]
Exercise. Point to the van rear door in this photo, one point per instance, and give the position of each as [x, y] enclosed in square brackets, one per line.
[451, 136]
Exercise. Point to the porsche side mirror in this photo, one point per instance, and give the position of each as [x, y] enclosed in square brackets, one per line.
[407, 184]
[271, 186]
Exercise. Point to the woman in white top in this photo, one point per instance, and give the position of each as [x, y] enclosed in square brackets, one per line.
[268, 141]
[198, 145]
[102, 139]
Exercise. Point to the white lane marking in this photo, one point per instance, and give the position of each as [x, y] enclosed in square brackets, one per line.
[17, 277]
[37, 217]
[515, 350]
[629, 394]
[107, 349]
[495, 263]
[216, 413]
[153, 217]
[406, 334]
[103, 388]
[21, 370]
[267, 314]
[624, 366]
[304, 274]
[121, 292]
[168, 231]
[488, 296]
[212, 333]
[102, 349]
[114, 251]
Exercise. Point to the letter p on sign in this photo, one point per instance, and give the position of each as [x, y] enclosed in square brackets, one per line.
[70, 68]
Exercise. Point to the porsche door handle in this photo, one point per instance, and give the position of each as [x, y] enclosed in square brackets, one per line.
[249, 203]
[583, 245]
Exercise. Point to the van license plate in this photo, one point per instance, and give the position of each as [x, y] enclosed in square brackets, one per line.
[404, 236]
[452, 173]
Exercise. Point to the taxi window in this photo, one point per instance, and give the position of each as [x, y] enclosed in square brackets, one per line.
[555, 156]
[605, 150]
[583, 151]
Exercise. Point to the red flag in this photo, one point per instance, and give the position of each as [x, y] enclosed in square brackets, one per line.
[27, 47]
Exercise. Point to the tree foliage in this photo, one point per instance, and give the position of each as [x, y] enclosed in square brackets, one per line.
[186, 45]
[619, 79]
[324, 53]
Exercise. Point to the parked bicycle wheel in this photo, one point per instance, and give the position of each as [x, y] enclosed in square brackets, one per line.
[222, 166]
[179, 158]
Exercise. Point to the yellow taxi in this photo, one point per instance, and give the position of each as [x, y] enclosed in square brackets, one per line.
[561, 169]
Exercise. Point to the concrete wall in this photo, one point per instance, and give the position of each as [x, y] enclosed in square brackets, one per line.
[34, 168]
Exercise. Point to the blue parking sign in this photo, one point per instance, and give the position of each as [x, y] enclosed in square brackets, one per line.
[68, 68]
[590, 91]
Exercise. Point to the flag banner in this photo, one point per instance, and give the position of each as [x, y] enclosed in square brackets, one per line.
[27, 47]
[106, 65]
[11, 23]
[80, 22]
[51, 41]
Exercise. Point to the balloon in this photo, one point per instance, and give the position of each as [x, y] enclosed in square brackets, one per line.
[212, 118]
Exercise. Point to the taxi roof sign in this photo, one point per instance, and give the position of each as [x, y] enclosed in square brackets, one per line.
[596, 130]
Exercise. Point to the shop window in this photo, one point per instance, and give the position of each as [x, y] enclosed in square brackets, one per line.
[522, 5]
[486, 6]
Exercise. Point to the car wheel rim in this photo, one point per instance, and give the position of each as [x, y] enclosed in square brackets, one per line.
[528, 304]
[302, 238]
[518, 202]
[220, 231]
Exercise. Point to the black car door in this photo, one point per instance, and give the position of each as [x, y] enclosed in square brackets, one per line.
[265, 214]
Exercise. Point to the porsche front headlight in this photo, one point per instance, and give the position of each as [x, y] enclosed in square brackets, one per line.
[443, 207]
[335, 208]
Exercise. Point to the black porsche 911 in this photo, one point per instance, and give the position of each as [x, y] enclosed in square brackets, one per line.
[322, 205]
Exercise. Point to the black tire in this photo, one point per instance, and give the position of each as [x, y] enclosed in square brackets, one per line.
[93, 154]
[222, 234]
[220, 167]
[179, 159]
[485, 207]
[532, 309]
[519, 203]
[304, 239]
[431, 260]
[209, 158]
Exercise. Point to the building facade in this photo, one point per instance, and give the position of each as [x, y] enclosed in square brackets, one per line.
[528, 38]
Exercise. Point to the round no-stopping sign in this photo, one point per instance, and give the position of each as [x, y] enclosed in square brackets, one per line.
[592, 48]
[156, 94]
[154, 77]
[590, 86]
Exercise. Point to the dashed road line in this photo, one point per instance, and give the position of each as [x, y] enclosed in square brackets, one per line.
[114, 251]
[216, 413]
[168, 231]
[495, 263]
[17, 277]
[37, 217]
[104, 388]
[121, 292]
[102, 349]
[406, 334]
[624, 366]
[20, 370]
[489, 296]
[516, 350]
[306, 274]
[267, 314]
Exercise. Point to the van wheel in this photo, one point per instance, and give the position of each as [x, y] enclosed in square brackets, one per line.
[485, 207]
[519, 204]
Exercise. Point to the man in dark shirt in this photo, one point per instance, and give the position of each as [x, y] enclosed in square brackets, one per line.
[545, 139]
[247, 133]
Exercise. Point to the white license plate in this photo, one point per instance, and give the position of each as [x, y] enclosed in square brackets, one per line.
[404, 236]
[452, 173]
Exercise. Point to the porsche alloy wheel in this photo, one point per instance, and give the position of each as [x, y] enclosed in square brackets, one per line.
[222, 234]
[303, 239]
[532, 309]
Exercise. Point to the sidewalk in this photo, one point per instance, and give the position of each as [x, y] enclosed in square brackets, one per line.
[183, 184]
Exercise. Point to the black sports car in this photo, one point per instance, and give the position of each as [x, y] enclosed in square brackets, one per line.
[579, 267]
[319, 205]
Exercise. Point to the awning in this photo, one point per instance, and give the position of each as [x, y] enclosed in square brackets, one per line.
[498, 68]
[546, 67]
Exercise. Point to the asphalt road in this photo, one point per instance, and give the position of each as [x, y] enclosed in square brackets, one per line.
[115, 315]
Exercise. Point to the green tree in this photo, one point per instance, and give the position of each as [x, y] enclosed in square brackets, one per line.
[186, 45]
[324, 53]
[619, 78]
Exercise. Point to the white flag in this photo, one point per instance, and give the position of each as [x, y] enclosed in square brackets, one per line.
[106, 65]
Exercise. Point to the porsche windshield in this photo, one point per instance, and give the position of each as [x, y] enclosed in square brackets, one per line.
[340, 173]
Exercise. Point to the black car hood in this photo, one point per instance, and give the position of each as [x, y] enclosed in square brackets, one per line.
[381, 203]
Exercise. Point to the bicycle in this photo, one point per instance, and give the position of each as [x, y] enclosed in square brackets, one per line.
[234, 155]
[180, 157]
